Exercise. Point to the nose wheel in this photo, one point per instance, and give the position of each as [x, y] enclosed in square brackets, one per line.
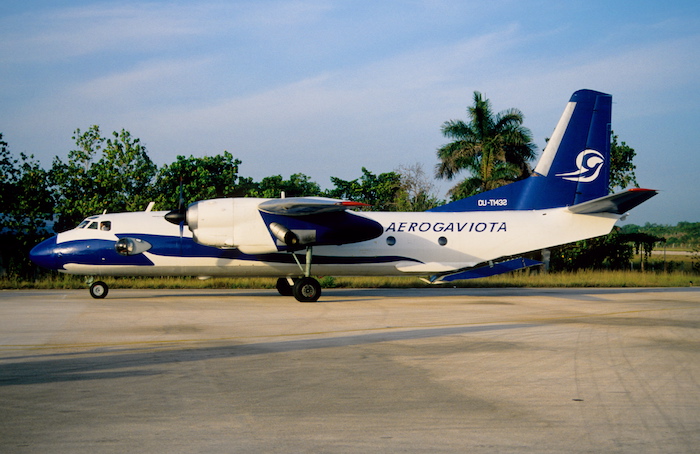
[98, 289]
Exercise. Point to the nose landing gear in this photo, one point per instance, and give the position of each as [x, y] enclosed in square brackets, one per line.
[98, 289]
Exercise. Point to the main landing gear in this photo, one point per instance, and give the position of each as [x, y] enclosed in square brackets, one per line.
[305, 289]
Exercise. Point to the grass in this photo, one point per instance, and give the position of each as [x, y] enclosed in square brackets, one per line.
[675, 272]
[585, 278]
[591, 278]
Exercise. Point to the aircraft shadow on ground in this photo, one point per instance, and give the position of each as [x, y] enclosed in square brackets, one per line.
[334, 295]
[105, 364]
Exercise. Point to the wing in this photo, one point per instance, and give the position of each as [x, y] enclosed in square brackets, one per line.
[304, 206]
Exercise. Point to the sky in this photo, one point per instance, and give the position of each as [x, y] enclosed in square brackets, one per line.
[326, 87]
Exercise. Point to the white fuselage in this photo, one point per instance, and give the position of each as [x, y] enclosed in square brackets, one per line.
[416, 243]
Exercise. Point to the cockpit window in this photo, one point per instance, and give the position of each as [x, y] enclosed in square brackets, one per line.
[93, 225]
[106, 225]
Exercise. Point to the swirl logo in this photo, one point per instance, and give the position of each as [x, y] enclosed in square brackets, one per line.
[589, 163]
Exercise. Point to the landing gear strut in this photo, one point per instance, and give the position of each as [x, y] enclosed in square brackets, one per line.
[305, 289]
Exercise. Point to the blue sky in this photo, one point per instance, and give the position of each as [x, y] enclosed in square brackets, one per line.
[326, 87]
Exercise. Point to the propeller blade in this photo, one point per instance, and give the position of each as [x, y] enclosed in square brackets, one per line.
[178, 216]
[181, 201]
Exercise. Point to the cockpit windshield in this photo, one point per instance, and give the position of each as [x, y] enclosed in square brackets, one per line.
[94, 225]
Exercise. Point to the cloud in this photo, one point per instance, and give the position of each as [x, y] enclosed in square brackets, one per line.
[65, 33]
[71, 32]
[159, 82]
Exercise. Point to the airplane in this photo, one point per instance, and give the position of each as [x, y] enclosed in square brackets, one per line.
[564, 200]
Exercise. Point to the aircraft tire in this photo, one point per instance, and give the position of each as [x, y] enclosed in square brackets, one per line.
[307, 290]
[283, 287]
[99, 290]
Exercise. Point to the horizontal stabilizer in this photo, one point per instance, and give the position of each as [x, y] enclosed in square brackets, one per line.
[619, 203]
[487, 270]
[305, 206]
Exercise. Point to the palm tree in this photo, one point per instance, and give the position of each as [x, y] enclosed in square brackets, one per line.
[494, 149]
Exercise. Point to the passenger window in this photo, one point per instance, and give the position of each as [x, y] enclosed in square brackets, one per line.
[106, 225]
[93, 225]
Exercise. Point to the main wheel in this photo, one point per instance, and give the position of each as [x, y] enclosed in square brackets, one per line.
[283, 287]
[307, 290]
[99, 289]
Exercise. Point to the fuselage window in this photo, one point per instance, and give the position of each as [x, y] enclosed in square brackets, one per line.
[106, 225]
[93, 225]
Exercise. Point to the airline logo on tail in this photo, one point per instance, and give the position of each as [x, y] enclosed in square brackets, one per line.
[588, 163]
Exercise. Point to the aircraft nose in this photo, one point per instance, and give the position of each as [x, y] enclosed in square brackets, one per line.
[44, 254]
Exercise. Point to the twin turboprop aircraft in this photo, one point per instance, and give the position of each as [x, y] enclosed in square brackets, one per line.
[566, 199]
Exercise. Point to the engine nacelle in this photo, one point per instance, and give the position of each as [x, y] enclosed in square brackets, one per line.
[239, 223]
[230, 223]
[131, 246]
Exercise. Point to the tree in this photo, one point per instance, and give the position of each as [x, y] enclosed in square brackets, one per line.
[695, 258]
[118, 181]
[26, 210]
[379, 191]
[643, 244]
[208, 177]
[297, 185]
[495, 149]
[592, 254]
[416, 191]
[621, 166]
[25, 199]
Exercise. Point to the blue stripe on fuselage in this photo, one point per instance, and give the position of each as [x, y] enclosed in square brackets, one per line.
[52, 255]
[171, 246]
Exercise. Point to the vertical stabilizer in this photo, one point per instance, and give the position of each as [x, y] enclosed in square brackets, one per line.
[580, 149]
[574, 166]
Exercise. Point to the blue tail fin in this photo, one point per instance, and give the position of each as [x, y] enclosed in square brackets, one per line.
[574, 167]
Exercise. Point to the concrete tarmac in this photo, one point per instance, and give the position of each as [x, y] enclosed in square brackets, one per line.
[419, 370]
